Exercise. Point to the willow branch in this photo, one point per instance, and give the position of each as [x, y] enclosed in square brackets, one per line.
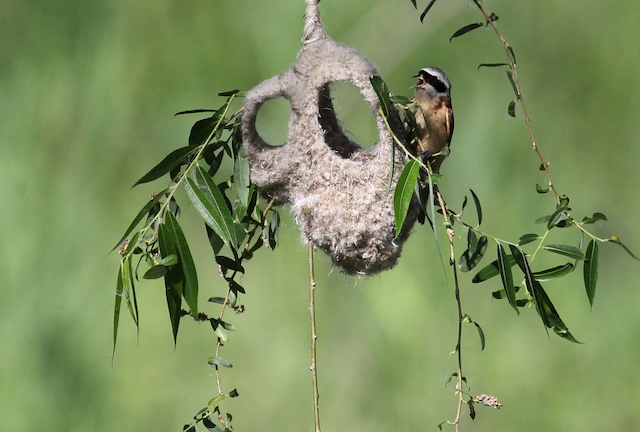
[514, 73]
[314, 338]
[452, 263]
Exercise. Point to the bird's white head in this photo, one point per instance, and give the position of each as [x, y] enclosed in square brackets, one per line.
[433, 81]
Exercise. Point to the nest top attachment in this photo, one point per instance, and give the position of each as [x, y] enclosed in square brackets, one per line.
[341, 194]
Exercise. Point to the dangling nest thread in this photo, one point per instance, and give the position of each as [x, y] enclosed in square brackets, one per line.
[341, 194]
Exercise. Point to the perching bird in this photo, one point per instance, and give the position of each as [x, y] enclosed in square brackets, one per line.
[434, 114]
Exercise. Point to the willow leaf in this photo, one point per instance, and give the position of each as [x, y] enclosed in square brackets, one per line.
[404, 192]
[591, 270]
[507, 278]
[190, 277]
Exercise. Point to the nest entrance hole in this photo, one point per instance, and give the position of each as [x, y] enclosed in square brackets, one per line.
[272, 121]
[345, 117]
[352, 112]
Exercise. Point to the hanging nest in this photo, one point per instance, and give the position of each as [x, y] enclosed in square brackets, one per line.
[341, 194]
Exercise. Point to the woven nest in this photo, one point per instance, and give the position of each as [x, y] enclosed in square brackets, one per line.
[341, 194]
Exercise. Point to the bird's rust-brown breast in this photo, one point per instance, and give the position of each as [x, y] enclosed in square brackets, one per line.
[435, 128]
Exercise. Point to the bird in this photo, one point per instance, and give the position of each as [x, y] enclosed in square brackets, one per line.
[434, 115]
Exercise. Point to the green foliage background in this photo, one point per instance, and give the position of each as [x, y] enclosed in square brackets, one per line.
[87, 96]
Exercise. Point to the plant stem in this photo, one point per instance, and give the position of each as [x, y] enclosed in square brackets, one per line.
[314, 338]
[452, 263]
[514, 72]
[219, 341]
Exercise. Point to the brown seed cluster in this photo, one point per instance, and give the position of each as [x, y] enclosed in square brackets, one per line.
[488, 400]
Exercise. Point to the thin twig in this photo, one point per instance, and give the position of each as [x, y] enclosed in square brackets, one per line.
[452, 263]
[314, 338]
[219, 342]
[514, 72]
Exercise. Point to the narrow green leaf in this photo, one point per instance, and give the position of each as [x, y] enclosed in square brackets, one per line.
[450, 378]
[491, 270]
[404, 192]
[591, 270]
[274, 228]
[426, 10]
[219, 300]
[216, 163]
[227, 326]
[466, 29]
[492, 65]
[129, 289]
[233, 299]
[472, 240]
[566, 250]
[511, 109]
[251, 206]
[203, 130]
[472, 409]
[413, 2]
[471, 257]
[481, 334]
[155, 272]
[530, 283]
[616, 240]
[595, 218]
[214, 402]
[141, 214]
[241, 183]
[229, 263]
[554, 321]
[476, 201]
[513, 84]
[542, 189]
[527, 238]
[553, 273]
[389, 111]
[234, 92]
[399, 99]
[173, 280]
[209, 202]
[512, 54]
[543, 219]
[214, 240]
[236, 287]
[169, 260]
[383, 92]
[507, 278]
[116, 307]
[501, 294]
[222, 334]
[195, 111]
[190, 277]
[464, 204]
[556, 217]
[172, 160]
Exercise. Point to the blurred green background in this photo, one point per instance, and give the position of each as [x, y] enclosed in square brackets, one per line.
[87, 96]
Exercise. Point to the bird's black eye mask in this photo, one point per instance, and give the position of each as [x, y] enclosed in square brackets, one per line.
[433, 81]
